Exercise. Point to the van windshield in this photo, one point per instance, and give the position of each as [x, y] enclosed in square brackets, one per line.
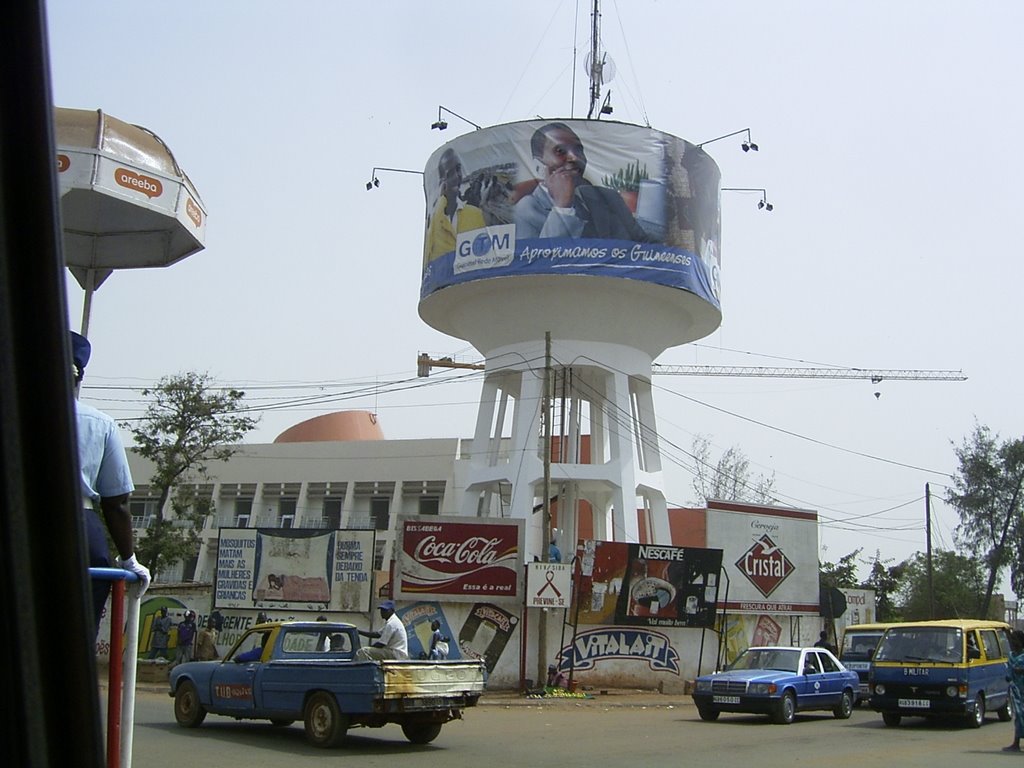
[859, 646]
[937, 644]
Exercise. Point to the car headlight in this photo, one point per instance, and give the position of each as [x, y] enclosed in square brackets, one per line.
[703, 686]
[952, 691]
[880, 689]
[762, 689]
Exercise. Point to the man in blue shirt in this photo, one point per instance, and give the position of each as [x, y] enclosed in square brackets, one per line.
[106, 486]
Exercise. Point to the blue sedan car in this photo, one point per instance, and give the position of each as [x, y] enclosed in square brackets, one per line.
[778, 681]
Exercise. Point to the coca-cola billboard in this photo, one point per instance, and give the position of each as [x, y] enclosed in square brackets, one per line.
[459, 559]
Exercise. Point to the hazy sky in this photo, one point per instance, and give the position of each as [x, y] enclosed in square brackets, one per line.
[886, 134]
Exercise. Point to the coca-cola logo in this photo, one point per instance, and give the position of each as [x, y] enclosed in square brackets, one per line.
[476, 550]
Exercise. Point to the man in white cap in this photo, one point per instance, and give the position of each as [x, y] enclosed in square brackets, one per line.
[106, 486]
[391, 641]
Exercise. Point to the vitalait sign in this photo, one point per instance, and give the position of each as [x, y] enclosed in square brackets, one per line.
[771, 556]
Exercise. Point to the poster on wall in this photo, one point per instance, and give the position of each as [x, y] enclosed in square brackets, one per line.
[648, 585]
[486, 632]
[294, 569]
[459, 559]
[771, 556]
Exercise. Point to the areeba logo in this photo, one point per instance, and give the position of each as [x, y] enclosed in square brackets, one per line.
[765, 565]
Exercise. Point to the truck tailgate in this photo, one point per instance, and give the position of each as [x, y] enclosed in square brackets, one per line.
[433, 678]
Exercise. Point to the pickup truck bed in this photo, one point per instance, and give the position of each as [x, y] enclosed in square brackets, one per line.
[330, 691]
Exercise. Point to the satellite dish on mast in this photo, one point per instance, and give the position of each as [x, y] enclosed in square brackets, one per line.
[605, 70]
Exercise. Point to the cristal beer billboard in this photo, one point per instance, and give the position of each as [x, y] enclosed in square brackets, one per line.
[572, 197]
[771, 556]
[459, 559]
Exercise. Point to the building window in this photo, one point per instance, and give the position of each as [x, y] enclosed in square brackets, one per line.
[332, 514]
[380, 511]
[243, 512]
[430, 505]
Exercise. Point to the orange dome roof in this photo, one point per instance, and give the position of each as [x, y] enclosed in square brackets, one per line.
[342, 425]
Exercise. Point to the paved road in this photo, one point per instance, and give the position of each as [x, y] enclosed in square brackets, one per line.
[615, 730]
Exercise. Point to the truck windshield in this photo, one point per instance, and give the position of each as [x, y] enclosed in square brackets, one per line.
[936, 644]
[859, 646]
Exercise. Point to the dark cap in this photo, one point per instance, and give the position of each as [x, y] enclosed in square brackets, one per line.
[387, 605]
[81, 350]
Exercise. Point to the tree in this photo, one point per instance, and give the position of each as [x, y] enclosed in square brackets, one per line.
[729, 479]
[841, 574]
[958, 587]
[887, 582]
[188, 424]
[987, 494]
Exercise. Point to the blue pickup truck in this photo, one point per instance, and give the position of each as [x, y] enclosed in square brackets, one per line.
[295, 670]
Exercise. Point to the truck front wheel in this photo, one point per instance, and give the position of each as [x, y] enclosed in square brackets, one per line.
[421, 733]
[188, 711]
[325, 725]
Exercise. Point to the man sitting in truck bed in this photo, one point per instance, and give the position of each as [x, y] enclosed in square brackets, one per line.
[390, 642]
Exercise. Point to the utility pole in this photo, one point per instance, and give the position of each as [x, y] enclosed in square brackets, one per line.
[928, 545]
[542, 626]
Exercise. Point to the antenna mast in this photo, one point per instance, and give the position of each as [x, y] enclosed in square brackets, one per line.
[596, 60]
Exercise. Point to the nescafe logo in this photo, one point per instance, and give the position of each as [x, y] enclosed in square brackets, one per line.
[193, 212]
[147, 185]
[63, 163]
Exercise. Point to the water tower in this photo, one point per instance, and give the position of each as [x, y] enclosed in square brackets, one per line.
[576, 253]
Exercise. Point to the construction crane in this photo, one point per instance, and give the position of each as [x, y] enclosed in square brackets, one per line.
[425, 362]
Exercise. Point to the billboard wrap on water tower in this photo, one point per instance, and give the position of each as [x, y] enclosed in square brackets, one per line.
[572, 197]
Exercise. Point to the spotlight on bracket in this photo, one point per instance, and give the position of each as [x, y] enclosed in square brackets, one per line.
[375, 182]
[746, 146]
[440, 124]
[762, 204]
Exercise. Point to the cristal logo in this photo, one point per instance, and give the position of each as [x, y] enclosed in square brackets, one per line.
[193, 212]
[475, 550]
[765, 565]
[147, 185]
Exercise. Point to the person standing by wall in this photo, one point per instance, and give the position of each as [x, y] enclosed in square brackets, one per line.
[160, 633]
[206, 643]
[186, 638]
[106, 486]
[391, 641]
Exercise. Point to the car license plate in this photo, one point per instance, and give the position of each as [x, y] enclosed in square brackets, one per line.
[915, 703]
[725, 699]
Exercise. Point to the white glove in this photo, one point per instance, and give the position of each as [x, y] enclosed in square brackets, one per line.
[133, 565]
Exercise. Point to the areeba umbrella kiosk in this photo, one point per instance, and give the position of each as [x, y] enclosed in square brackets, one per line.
[125, 202]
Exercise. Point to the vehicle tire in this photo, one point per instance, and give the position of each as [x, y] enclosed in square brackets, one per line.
[844, 708]
[785, 711]
[188, 710]
[708, 714]
[281, 723]
[421, 733]
[891, 718]
[1005, 712]
[325, 725]
[977, 718]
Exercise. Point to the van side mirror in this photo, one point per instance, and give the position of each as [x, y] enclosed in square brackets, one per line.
[973, 653]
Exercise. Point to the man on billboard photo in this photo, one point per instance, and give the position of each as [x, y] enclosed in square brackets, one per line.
[452, 214]
[564, 203]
